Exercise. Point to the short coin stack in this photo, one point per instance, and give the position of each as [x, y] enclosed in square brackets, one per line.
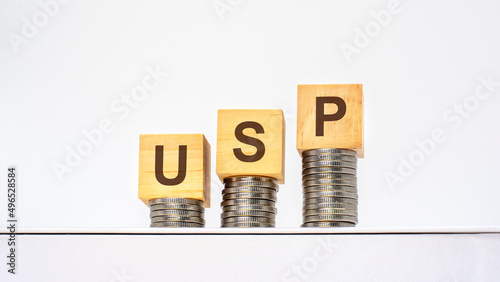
[249, 201]
[177, 212]
[329, 188]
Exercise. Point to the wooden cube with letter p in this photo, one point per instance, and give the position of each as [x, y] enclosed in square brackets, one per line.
[251, 142]
[330, 116]
[174, 165]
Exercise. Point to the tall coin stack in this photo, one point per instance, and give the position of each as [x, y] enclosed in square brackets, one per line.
[177, 212]
[329, 188]
[249, 201]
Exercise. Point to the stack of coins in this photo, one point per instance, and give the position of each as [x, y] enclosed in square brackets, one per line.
[249, 201]
[177, 212]
[329, 188]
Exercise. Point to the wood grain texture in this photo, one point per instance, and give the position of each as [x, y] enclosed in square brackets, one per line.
[272, 164]
[196, 184]
[345, 133]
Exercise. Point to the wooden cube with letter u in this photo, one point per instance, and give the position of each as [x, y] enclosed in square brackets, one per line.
[251, 142]
[174, 165]
[330, 116]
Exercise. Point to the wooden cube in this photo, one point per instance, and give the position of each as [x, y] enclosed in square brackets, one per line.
[251, 142]
[174, 165]
[330, 116]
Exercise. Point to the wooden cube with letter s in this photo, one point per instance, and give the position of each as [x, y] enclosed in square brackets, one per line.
[251, 142]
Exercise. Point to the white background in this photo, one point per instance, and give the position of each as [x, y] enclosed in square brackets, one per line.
[66, 77]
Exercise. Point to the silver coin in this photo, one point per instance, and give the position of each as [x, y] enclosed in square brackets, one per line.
[329, 157]
[331, 169]
[338, 194]
[252, 189]
[247, 202]
[248, 219]
[173, 206]
[176, 200]
[321, 200]
[250, 208]
[319, 188]
[328, 224]
[328, 151]
[329, 164]
[194, 219]
[176, 224]
[250, 178]
[176, 212]
[330, 205]
[330, 211]
[233, 196]
[250, 183]
[329, 176]
[329, 182]
[247, 224]
[248, 213]
[330, 217]
[330, 187]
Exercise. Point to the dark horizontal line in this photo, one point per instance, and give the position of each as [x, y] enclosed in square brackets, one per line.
[258, 234]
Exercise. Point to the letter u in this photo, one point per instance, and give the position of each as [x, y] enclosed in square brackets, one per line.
[181, 172]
